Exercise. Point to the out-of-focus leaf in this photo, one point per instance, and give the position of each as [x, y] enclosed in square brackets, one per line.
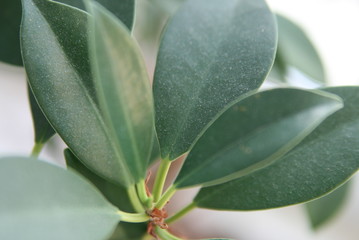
[323, 209]
[117, 195]
[296, 50]
[123, 9]
[55, 50]
[320, 163]
[43, 129]
[211, 53]
[10, 19]
[254, 133]
[123, 89]
[155, 153]
[42, 201]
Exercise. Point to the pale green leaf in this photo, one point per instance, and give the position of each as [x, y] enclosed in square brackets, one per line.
[123, 89]
[295, 49]
[123, 9]
[42, 201]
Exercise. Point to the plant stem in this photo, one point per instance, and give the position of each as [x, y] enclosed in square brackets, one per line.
[133, 217]
[165, 235]
[166, 197]
[142, 194]
[181, 213]
[136, 203]
[37, 149]
[160, 179]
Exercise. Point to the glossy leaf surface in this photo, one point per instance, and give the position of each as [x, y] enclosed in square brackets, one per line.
[123, 89]
[55, 51]
[323, 209]
[296, 50]
[43, 129]
[42, 201]
[321, 162]
[211, 53]
[123, 9]
[254, 133]
[10, 19]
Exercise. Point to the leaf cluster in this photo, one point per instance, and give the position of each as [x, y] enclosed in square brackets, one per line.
[247, 149]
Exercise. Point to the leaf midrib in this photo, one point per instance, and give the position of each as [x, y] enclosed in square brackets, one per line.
[86, 93]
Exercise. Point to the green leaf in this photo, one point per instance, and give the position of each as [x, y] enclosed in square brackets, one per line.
[123, 89]
[254, 133]
[42, 201]
[55, 51]
[155, 153]
[115, 194]
[10, 19]
[323, 209]
[320, 163]
[295, 49]
[211, 53]
[43, 129]
[123, 9]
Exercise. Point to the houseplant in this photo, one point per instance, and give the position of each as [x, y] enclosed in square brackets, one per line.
[247, 150]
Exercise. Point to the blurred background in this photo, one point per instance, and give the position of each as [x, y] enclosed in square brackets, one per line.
[332, 26]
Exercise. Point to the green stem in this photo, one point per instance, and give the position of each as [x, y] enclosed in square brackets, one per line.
[133, 217]
[37, 149]
[166, 197]
[160, 179]
[181, 213]
[132, 194]
[142, 194]
[165, 235]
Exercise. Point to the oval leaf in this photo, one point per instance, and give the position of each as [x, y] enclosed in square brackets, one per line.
[295, 49]
[323, 209]
[55, 52]
[123, 89]
[41, 201]
[10, 19]
[254, 133]
[211, 53]
[320, 163]
[123, 9]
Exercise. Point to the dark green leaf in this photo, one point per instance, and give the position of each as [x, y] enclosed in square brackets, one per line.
[55, 52]
[129, 231]
[254, 133]
[115, 194]
[211, 53]
[320, 163]
[42, 201]
[323, 209]
[123, 9]
[295, 49]
[43, 130]
[123, 89]
[10, 19]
